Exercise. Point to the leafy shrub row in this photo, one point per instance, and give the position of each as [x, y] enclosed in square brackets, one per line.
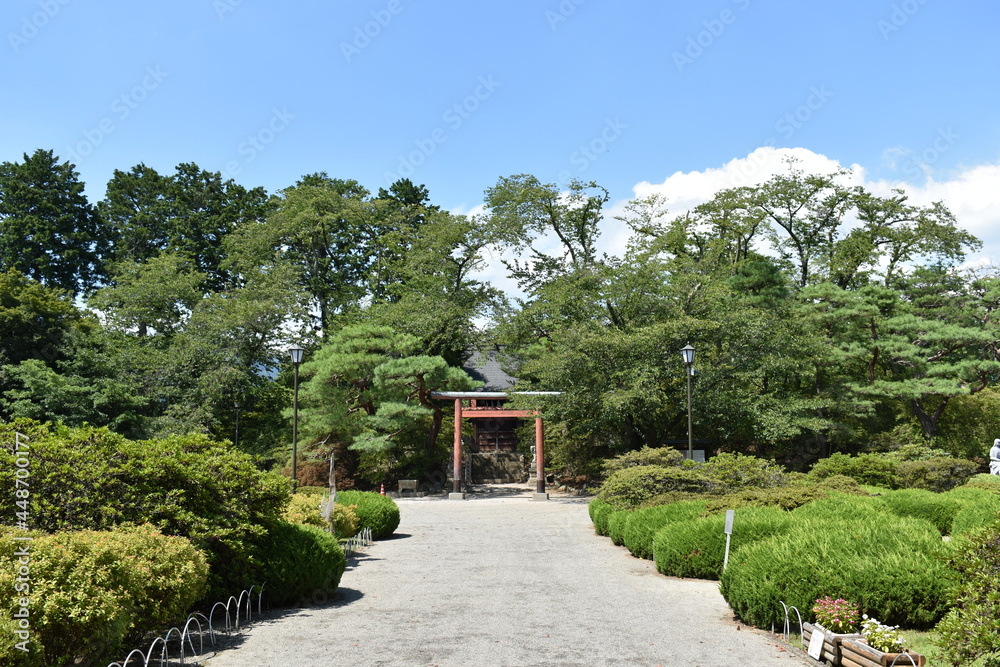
[885, 563]
[937, 473]
[91, 591]
[630, 487]
[375, 511]
[696, 548]
[93, 479]
[643, 523]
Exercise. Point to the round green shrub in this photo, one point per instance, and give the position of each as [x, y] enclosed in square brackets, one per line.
[630, 487]
[643, 523]
[842, 507]
[696, 548]
[975, 513]
[90, 591]
[885, 563]
[874, 469]
[304, 508]
[599, 513]
[345, 520]
[662, 457]
[740, 471]
[939, 473]
[934, 507]
[299, 564]
[375, 511]
[616, 526]
[784, 497]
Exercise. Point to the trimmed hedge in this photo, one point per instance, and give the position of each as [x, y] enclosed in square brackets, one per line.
[786, 497]
[90, 591]
[661, 457]
[599, 512]
[616, 526]
[630, 487]
[976, 512]
[886, 563]
[697, 548]
[642, 524]
[842, 507]
[375, 511]
[891, 471]
[934, 507]
[299, 564]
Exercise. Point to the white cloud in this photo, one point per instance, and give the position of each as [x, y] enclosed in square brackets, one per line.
[973, 195]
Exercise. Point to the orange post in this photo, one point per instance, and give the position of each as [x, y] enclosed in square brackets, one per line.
[457, 455]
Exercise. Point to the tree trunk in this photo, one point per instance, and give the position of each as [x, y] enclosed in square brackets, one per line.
[928, 422]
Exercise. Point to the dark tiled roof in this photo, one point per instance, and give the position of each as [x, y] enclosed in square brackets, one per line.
[485, 367]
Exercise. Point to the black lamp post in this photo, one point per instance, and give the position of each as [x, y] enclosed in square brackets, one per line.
[687, 352]
[296, 353]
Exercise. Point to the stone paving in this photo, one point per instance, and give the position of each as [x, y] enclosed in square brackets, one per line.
[499, 579]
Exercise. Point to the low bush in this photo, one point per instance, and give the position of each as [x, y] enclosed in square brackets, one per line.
[92, 479]
[630, 487]
[345, 520]
[616, 526]
[940, 473]
[696, 548]
[975, 513]
[662, 457]
[842, 507]
[739, 471]
[643, 523]
[786, 497]
[885, 563]
[305, 509]
[971, 628]
[874, 469]
[375, 511]
[934, 507]
[599, 513]
[985, 482]
[90, 591]
[299, 564]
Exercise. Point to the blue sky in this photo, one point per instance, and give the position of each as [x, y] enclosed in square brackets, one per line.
[679, 96]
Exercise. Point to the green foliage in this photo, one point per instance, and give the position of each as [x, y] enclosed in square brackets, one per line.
[89, 478]
[642, 524]
[304, 509]
[986, 482]
[90, 591]
[971, 628]
[936, 474]
[616, 526]
[375, 511]
[662, 457]
[632, 486]
[600, 512]
[886, 563]
[738, 471]
[939, 509]
[345, 520]
[696, 547]
[841, 507]
[874, 469]
[298, 564]
[784, 497]
[980, 508]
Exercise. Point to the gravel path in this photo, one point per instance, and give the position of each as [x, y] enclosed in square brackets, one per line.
[507, 581]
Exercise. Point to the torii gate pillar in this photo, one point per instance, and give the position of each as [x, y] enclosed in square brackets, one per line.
[456, 492]
[539, 460]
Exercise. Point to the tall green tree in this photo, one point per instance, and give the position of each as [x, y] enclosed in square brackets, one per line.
[48, 229]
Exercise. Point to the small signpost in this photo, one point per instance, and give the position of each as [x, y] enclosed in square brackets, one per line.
[730, 514]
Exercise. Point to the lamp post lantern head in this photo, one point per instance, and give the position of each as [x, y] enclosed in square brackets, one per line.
[296, 353]
[688, 353]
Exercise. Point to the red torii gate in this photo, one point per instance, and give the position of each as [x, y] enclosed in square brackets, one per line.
[496, 413]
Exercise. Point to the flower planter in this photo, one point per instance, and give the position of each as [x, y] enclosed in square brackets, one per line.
[856, 653]
[832, 641]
